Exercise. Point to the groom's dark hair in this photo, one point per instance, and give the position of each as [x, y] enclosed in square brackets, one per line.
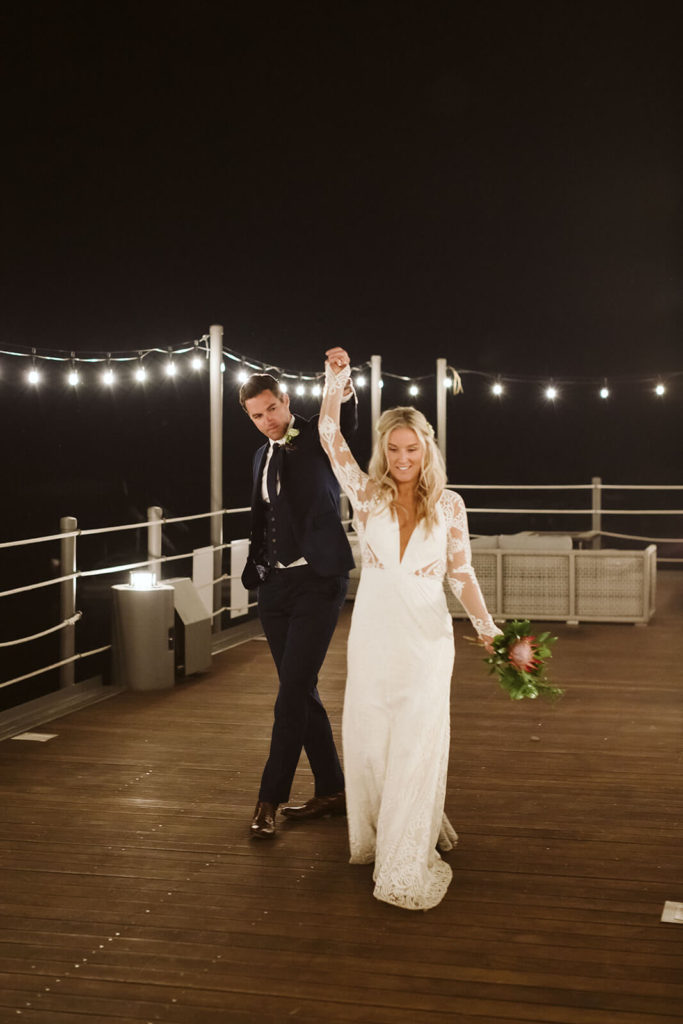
[256, 384]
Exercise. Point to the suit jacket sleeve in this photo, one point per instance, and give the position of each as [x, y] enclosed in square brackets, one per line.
[348, 416]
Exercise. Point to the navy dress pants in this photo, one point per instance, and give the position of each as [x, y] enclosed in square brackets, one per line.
[299, 612]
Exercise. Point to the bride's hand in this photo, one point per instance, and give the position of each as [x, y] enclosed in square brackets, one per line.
[487, 643]
[337, 359]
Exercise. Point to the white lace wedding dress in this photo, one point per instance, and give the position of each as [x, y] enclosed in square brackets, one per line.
[396, 721]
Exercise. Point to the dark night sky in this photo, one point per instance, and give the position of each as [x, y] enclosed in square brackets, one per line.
[496, 183]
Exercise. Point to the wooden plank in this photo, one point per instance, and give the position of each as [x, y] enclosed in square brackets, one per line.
[131, 890]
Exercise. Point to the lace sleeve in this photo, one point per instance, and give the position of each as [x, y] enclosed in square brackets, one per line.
[353, 481]
[459, 572]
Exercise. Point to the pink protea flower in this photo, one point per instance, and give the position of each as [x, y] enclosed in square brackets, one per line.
[522, 654]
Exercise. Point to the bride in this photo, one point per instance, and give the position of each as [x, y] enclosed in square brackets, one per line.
[395, 726]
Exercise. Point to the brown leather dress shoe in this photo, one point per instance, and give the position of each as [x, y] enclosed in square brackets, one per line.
[317, 807]
[263, 822]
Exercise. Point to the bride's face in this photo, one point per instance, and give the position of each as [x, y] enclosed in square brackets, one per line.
[405, 455]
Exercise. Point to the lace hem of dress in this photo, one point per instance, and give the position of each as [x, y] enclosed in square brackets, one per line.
[423, 898]
[411, 893]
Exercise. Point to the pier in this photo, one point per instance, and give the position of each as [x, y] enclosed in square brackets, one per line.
[133, 892]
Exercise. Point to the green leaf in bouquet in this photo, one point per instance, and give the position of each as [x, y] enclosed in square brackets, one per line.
[527, 682]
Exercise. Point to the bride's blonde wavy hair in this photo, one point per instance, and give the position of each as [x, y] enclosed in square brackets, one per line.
[432, 479]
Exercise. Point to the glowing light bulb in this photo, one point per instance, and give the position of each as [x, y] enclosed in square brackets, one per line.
[316, 389]
[551, 393]
[171, 368]
[33, 376]
[447, 382]
[660, 390]
[381, 384]
[73, 378]
[497, 388]
[283, 386]
[413, 390]
[300, 389]
[242, 375]
[222, 367]
[360, 381]
[143, 580]
[196, 362]
[604, 392]
[141, 374]
[108, 377]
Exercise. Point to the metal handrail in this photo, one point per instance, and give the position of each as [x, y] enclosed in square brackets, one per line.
[118, 529]
[67, 581]
[154, 523]
[581, 511]
[566, 487]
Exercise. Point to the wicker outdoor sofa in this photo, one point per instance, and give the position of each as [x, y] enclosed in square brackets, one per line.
[544, 576]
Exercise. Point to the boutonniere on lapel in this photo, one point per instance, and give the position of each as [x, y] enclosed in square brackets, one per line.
[288, 439]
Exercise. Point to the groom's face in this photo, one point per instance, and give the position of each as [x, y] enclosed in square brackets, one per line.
[270, 414]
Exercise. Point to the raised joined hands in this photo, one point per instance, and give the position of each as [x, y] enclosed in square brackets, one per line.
[337, 358]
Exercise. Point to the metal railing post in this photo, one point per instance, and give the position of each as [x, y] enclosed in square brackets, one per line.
[596, 517]
[154, 540]
[441, 408]
[375, 395]
[216, 456]
[67, 600]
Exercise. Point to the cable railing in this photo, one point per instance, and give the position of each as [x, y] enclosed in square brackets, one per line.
[596, 512]
[70, 534]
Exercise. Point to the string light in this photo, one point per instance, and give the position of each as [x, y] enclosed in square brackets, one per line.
[196, 362]
[302, 384]
[283, 386]
[108, 377]
[33, 374]
[72, 376]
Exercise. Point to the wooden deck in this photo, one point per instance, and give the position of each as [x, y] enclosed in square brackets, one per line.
[131, 891]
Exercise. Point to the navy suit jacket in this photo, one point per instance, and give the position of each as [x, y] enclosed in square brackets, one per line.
[311, 491]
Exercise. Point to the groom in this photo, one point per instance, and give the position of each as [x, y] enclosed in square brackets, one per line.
[299, 559]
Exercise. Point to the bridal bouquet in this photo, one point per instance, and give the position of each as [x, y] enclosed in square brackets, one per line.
[519, 659]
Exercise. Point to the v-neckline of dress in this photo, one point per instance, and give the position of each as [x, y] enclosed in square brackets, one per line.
[412, 533]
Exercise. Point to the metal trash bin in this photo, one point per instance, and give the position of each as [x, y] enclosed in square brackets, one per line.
[143, 637]
[193, 628]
